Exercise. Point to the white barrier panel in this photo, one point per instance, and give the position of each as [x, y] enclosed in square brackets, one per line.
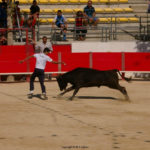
[133, 46]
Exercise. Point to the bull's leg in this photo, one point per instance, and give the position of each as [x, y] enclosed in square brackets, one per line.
[67, 90]
[74, 93]
[124, 92]
[121, 89]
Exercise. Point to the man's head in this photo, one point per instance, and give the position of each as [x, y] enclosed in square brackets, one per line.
[44, 39]
[34, 2]
[17, 2]
[46, 51]
[59, 12]
[89, 3]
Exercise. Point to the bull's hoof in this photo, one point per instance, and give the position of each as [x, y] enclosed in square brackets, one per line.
[70, 99]
[127, 98]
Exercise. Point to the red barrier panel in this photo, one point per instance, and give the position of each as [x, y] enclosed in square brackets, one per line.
[105, 61]
[137, 61]
[74, 60]
[10, 56]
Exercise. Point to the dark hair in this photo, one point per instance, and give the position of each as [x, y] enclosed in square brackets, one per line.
[17, 2]
[79, 14]
[46, 50]
[59, 11]
[44, 37]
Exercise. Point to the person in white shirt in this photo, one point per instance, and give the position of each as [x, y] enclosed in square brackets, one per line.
[41, 59]
[42, 45]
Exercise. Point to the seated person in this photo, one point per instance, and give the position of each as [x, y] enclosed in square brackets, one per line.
[3, 16]
[89, 12]
[80, 26]
[61, 23]
[3, 40]
[16, 13]
[148, 10]
[34, 14]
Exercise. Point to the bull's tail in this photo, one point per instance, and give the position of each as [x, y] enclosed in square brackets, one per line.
[123, 77]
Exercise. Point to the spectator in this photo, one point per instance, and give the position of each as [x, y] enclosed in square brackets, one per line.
[3, 15]
[17, 14]
[80, 26]
[89, 12]
[61, 23]
[39, 48]
[148, 10]
[4, 4]
[3, 40]
[34, 13]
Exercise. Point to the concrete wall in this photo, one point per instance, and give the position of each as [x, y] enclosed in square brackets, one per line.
[133, 46]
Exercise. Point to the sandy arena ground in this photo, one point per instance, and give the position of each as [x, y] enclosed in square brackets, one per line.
[97, 119]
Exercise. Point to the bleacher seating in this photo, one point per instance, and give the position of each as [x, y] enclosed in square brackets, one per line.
[107, 11]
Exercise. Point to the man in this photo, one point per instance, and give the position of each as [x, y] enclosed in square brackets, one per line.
[61, 23]
[17, 14]
[3, 14]
[41, 60]
[34, 13]
[44, 44]
[89, 12]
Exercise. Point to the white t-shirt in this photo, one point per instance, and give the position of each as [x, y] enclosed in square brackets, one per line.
[41, 60]
[41, 46]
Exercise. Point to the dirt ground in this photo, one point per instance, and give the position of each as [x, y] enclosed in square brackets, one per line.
[97, 119]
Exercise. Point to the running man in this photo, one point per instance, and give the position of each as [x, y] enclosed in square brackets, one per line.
[41, 59]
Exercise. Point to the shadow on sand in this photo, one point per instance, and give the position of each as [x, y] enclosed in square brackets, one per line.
[96, 97]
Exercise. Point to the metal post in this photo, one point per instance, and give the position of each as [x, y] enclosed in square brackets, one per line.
[123, 63]
[59, 60]
[9, 23]
[91, 60]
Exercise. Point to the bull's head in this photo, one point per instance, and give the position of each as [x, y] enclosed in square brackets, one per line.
[61, 82]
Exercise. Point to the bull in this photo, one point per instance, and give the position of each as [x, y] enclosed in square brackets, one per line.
[86, 77]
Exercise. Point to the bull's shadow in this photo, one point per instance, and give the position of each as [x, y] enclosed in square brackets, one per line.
[97, 97]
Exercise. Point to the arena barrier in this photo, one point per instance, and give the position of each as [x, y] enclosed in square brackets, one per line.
[124, 61]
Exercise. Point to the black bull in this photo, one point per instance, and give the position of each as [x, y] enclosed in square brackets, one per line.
[85, 77]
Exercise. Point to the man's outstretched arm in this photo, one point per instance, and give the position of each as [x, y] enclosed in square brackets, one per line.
[21, 61]
[56, 62]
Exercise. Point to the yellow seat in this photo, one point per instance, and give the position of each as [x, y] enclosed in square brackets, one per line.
[53, 1]
[23, 1]
[25, 10]
[68, 10]
[113, 19]
[71, 20]
[77, 9]
[30, 1]
[108, 10]
[118, 10]
[43, 20]
[47, 11]
[83, 1]
[95, 1]
[128, 10]
[56, 9]
[73, 1]
[123, 19]
[50, 20]
[114, 1]
[103, 1]
[123, 1]
[63, 1]
[133, 19]
[103, 20]
[41, 10]
[43, 1]
[99, 10]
